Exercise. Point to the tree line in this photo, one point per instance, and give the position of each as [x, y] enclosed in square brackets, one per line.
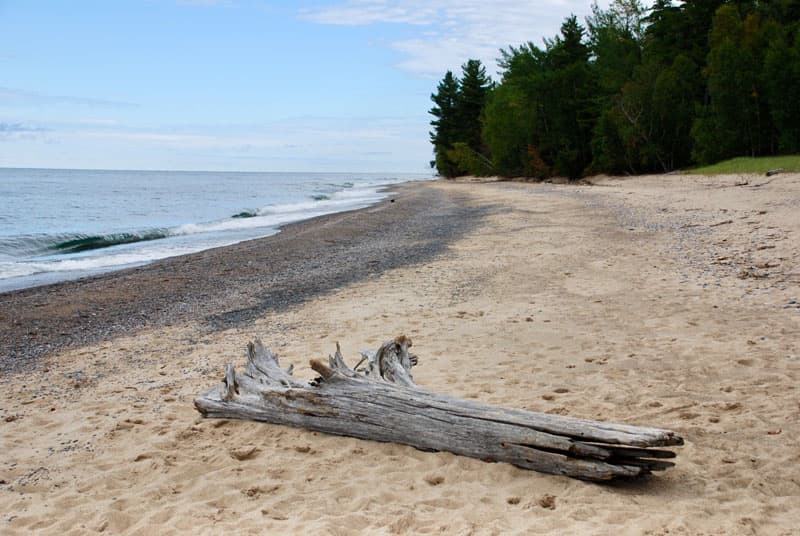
[635, 90]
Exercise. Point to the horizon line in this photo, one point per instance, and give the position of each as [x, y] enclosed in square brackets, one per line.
[204, 170]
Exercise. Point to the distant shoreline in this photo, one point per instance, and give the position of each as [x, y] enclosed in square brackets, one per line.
[232, 285]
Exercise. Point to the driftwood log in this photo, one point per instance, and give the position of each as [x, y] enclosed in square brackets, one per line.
[378, 400]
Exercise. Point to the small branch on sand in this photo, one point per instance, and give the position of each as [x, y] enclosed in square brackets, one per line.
[726, 222]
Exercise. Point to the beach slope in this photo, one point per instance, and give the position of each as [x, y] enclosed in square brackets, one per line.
[667, 301]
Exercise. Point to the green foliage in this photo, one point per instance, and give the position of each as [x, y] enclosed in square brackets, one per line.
[471, 100]
[540, 119]
[611, 148]
[445, 125]
[508, 129]
[615, 40]
[469, 161]
[636, 90]
[782, 87]
[458, 111]
[673, 110]
[735, 121]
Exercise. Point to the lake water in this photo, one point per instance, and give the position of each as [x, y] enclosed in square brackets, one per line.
[63, 224]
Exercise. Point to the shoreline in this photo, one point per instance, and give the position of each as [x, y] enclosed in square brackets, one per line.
[232, 285]
[110, 251]
[667, 302]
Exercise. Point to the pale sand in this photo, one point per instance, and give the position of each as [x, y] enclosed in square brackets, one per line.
[623, 302]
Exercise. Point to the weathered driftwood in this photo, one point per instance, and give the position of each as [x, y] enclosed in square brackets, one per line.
[379, 400]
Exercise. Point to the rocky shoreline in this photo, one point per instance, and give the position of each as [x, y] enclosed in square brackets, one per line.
[231, 286]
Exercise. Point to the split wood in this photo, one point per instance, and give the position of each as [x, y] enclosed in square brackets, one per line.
[378, 400]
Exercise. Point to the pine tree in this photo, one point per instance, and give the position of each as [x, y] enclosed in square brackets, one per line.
[471, 100]
[735, 121]
[457, 142]
[445, 126]
[782, 84]
[693, 81]
[568, 106]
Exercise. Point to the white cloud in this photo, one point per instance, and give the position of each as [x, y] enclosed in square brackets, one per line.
[363, 12]
[443, 34]
[296, 144]
[309, 132]
[11, 128]
[22, 131]
[158, 137]
[22, 97]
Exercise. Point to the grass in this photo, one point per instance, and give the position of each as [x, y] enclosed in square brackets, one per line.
[751, 165]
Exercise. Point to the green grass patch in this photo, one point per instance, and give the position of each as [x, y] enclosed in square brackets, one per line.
[751, 165]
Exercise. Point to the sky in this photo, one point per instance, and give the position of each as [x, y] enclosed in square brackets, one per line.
[242, 85]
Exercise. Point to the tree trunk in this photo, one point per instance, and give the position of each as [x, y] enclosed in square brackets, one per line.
[379, 400]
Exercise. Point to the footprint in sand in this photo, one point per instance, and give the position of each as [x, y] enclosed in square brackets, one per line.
[243, 453]
[547, 501]
[434, 480]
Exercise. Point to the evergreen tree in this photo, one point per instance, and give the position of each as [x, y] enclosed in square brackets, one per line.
[511, 125]
[547, 97]
[616, 39]
[473, 90]
[445, 126]
[655, 110]
[692, 81]
[735, 121]
[458, 108]
[673, 110]
[782, 86]
[568, 105]
[508, 131]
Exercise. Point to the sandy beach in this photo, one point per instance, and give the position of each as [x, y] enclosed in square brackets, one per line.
[666, 301]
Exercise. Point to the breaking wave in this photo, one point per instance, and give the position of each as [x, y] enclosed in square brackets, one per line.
[26, 255]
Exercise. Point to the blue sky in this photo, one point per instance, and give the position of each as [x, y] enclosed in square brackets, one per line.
[250, 85]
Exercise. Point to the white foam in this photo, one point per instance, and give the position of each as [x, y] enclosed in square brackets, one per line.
[277, 215]
[187, 238]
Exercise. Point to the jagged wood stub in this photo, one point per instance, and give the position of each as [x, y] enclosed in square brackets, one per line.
[378, 400]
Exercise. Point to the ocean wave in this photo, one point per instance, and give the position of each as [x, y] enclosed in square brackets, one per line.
[136, 218]
[246, 214]
[80, 243]
[29, 255]
[31, 246]
[96, 263]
